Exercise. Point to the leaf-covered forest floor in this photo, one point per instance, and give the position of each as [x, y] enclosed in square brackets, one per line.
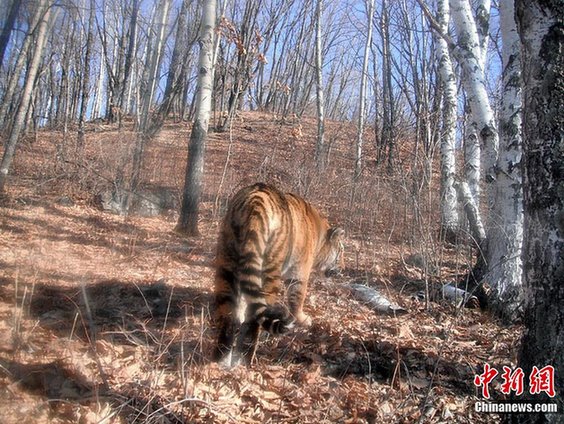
[106, 318]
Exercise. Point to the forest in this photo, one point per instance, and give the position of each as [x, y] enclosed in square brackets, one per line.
[430, 131]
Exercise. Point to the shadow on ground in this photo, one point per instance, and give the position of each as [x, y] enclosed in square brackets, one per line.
[108, 309]
[60, 386]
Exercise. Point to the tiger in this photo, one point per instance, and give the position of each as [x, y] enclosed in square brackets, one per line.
[269, 242]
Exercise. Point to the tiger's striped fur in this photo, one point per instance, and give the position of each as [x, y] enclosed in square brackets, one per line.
[268, 239]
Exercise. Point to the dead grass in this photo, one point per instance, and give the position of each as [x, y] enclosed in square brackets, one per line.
[106, 319]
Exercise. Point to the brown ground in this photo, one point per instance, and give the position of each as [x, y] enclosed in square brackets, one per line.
[107, 319]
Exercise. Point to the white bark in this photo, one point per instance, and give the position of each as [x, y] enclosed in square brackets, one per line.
[188, 219]
[98, 93]
[474, 219]
[363, 79]
[472, 148]
[205, 64]
[153, 59]
[483, 26]
[505, 235]
[472, 157]
[449, 213]
[469, 55]
[320, 145]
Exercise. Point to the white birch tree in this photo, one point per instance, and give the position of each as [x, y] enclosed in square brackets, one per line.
[148, 86]
[449, 213]
[320, 156]
[189, 212]
[482, 18]
[472, 148]
[469, 56]
[362, 95]
[505, 221]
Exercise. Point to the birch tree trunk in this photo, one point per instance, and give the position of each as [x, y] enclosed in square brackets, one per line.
[473, 79]
[320, 144]
[362, 94]
[505, 222]
[151, 71]
[449, 213]
[482, 15]
[19, 120]
[131, 44]
[472, 148]
[153, 61]
[176, 73]
[86, 78]
[189, 212]
[99, 91]
[542, 36]
[472, 154]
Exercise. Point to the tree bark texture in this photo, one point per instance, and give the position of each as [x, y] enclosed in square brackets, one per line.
[541, 26]
[473, 80]
[320, 144]
[505, 221]
[10, 94]
[189, 212]
[19, 120]
[86, 77]
[362, 94]
[449, 212]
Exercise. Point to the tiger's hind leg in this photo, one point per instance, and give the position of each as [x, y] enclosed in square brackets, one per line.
[227, 321]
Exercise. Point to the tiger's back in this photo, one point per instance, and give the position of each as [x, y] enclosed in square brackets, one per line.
[269, 243]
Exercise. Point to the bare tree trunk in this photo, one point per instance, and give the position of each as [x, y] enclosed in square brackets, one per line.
[473, 151]
[541, 31]
[482, 115]
[478, 233]
[472, 154]
[86, 78]
[388, 134]
[449, 213]
[505, 221]
[98, 92]
[176, 74]
[153, 60]
[122, 104]
[482, 17]
[19, 120]
[476, 226]
[8, 26]
[362, 94]
[189, 212]
[320, 156]
[152, 65]
[10, 96]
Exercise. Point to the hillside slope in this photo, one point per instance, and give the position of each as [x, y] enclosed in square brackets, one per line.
[108, 318]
